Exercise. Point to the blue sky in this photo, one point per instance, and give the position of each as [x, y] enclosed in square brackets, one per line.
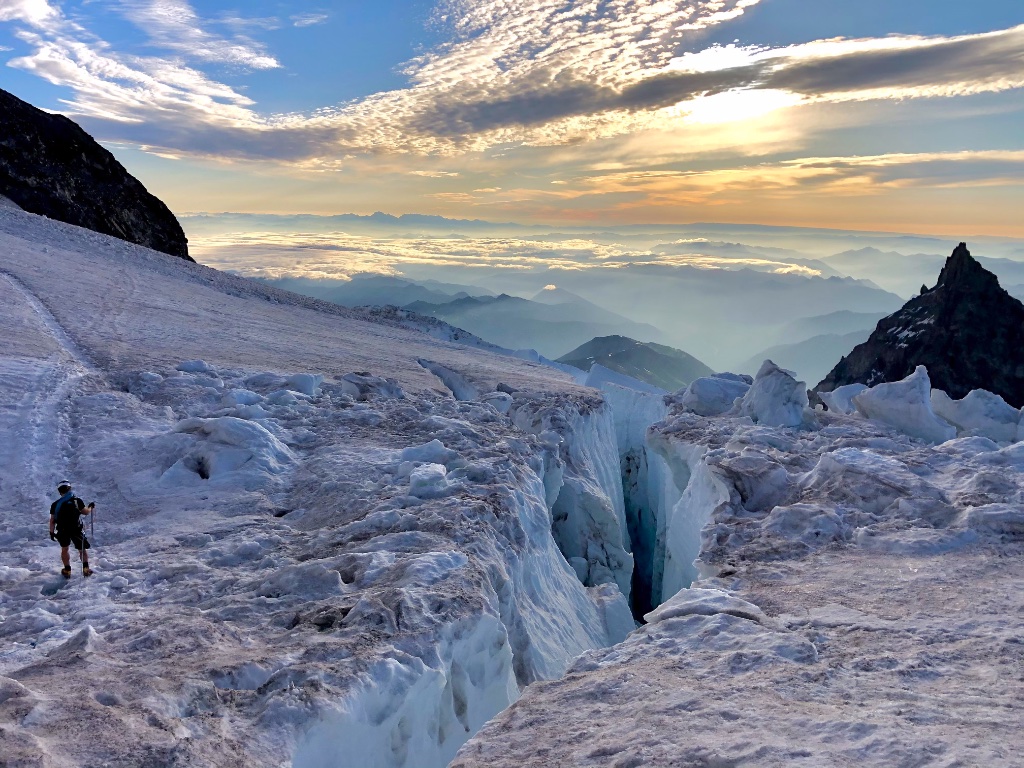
[871, 115]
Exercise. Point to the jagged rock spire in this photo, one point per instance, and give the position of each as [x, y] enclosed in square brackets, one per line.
[967, 331]
[962, 272]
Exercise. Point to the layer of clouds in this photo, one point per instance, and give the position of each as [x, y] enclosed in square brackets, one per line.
[515, 72]
[341, 255]
[852, 176]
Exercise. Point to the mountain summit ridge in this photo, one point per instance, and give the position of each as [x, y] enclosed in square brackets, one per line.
[967, 331]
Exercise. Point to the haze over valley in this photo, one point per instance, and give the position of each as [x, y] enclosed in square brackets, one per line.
[729, 295]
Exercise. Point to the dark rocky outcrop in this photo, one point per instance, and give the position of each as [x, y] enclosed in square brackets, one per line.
[967, 331]
[50, 166]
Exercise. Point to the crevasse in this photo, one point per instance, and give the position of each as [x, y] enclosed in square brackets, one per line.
[612, 513]
[669, 496]
[540, 611]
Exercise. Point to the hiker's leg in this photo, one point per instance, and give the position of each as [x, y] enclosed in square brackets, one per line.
[82, 544]
[65, 557]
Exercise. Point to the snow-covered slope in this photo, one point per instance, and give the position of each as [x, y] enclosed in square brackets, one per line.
[857, 604]
[329, 538]
[307, 551]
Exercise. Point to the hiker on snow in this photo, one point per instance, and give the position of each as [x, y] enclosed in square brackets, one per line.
[66, 527]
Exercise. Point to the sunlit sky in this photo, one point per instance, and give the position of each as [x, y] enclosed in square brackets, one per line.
[900, 116]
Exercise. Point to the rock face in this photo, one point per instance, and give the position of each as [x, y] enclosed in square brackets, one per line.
[967, 331]
[50, 166]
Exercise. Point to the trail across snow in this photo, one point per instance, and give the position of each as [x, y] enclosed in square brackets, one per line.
[37, 451]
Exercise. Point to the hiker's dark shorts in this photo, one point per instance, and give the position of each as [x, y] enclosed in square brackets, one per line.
[77, 538]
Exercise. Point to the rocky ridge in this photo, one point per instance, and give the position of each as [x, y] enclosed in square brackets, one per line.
[51, 167]
[967, 330]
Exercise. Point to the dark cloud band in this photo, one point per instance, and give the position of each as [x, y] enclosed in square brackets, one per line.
[977, 60]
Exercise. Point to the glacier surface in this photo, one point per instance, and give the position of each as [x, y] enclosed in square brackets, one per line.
[330, 537]
[321, 538]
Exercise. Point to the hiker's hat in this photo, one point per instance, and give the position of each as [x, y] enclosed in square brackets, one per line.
[63, 484]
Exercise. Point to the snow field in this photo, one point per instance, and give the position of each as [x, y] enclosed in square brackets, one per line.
[450, 564]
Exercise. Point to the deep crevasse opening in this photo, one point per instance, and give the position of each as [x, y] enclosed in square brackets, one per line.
[669, 495]
[625, 513]
[627, 505]
[641, 478]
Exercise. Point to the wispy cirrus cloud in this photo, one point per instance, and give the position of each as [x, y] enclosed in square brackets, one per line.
[173, 25]
[133, 90]
[308, 19]
[496, 46]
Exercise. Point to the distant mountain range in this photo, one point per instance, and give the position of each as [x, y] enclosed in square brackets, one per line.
[378, 290]
[811, 346]
[724, 293]
[905, 274]
[665, 367]
[720, 316]
[834, 323]
[811, 359]
[796, 242]
[551, 325]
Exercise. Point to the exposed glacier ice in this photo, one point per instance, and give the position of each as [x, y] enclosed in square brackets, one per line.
[907, 406]
[840, 399]
[979, 413]
[856, 574]
[318, 559]
[775, 399]
[589, 519]
[713, 395]
[344, 557]
[633, 412]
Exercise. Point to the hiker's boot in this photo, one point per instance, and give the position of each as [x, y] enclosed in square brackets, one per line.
[66, 571]
[86, 570]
